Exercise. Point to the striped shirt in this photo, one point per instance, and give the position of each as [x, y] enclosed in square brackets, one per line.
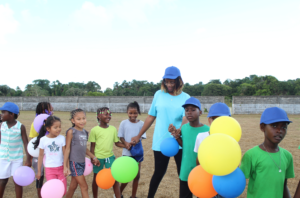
[11, 147]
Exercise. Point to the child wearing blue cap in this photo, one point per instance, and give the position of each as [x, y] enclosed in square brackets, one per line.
[187, 140]
[268, 166]
[12, 138]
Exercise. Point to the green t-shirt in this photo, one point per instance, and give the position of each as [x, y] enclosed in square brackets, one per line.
[189, 135]
[104, 139]
[265, 180]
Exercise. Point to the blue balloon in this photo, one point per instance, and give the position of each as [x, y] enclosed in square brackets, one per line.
[231, 185]
[169, 147]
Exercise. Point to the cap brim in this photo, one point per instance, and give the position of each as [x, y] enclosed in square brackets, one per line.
[278, 120]
[217, 115]
[169, 77]
[190, 104]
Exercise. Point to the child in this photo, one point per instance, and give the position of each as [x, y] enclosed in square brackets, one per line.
[268, 166]
[12, 139]
[74, 159]
[130, 128]
[42, 107]
[215, 111]
[189, 133]
[102, 140]
[53, 146]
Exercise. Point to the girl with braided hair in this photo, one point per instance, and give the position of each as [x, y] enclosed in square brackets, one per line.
[74, 158]
[42, 107]
[102, 138]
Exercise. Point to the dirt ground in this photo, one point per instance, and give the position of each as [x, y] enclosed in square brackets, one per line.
[169, 186]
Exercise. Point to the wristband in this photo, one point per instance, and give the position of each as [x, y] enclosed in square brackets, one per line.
[94, 158]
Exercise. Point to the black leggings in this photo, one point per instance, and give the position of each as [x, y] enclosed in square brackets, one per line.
[160, 168]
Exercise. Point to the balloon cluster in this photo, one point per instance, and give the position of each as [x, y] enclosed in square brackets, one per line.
[219, 156]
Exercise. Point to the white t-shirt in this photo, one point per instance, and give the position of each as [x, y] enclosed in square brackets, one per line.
[199, 139]
[53, 150]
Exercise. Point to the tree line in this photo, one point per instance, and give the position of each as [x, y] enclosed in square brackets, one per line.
[249, 86]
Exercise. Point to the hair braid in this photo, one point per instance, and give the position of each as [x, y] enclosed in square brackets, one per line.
[101, 111]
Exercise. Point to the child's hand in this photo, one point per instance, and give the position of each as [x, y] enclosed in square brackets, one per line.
[38, 176]
[96, 162]
[171, 128]
[67, 171]
[28, 162]
[128, 145]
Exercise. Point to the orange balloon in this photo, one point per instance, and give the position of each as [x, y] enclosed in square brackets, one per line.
[200, 183]
[104, 179]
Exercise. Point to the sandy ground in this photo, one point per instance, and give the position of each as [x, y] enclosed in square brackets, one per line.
[169, 186]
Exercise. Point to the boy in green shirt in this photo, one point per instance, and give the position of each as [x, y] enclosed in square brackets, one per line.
[187, 140]
[268, 166]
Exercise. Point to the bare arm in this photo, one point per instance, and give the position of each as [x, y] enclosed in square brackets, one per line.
[126, 144]
[120, 144]
[25, 143]
[67, 152]
[40, 161]
[297, 193]
[286, 192]
[197, 161]
[148, 122]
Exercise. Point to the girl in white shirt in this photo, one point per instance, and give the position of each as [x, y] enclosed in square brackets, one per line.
[52, 145]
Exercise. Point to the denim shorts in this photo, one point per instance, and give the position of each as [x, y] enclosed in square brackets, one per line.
[76, 168]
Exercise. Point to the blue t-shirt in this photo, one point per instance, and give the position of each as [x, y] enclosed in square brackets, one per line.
[168, 110]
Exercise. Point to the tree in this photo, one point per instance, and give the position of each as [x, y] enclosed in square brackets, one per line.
[216, 90]
[74, 92]
[35, 90]
[92, 86]
[18, 91]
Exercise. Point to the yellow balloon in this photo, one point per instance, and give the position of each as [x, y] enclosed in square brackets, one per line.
[228, 126]
[219, 154]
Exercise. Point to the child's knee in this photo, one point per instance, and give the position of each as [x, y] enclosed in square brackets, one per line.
[84, 187]
[3, 182]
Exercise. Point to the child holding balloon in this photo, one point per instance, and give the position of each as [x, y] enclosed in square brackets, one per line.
[189, 132]
[130, 128]
[12, 139]
[41, 108]
[74, 158]
[268, 166]
[52, 145]
[102, 139]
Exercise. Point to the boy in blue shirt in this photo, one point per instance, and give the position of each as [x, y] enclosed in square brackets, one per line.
[187, 140]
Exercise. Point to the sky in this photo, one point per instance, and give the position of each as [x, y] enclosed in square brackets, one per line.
[114, 40]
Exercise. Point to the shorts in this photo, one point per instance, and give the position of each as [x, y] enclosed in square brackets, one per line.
[8, 168]
[76, 168]
[133, 158]
[38, 183]
[106, 161]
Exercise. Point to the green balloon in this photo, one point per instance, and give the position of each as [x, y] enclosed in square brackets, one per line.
[124, 169]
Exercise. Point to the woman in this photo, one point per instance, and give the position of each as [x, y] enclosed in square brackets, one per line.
[167, 108]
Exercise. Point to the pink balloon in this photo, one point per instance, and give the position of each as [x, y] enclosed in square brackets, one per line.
[88, 167]
[53, 188]
[39, 121]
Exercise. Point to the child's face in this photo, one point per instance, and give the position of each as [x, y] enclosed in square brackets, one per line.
[211, 119]
[79, 119]
[192, 113]
[105, 117]
[132, 114]
[55, 129]
[6, 116]
[274, 132]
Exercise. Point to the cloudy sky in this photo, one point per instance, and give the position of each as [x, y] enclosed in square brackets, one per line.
[114, 40]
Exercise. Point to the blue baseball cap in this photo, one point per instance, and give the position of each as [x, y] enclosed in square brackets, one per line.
[274, 114]
[11, 107]
[172, 73]
[192, 101]
[219, 109]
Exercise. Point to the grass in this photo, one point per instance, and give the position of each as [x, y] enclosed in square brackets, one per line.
[169, 186]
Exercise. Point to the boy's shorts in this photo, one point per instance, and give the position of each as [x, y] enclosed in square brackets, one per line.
[76, 168]
[8, 168]
[106, 161]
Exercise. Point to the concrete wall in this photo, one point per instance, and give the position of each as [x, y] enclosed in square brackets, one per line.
[257, 104]
[90, 104]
